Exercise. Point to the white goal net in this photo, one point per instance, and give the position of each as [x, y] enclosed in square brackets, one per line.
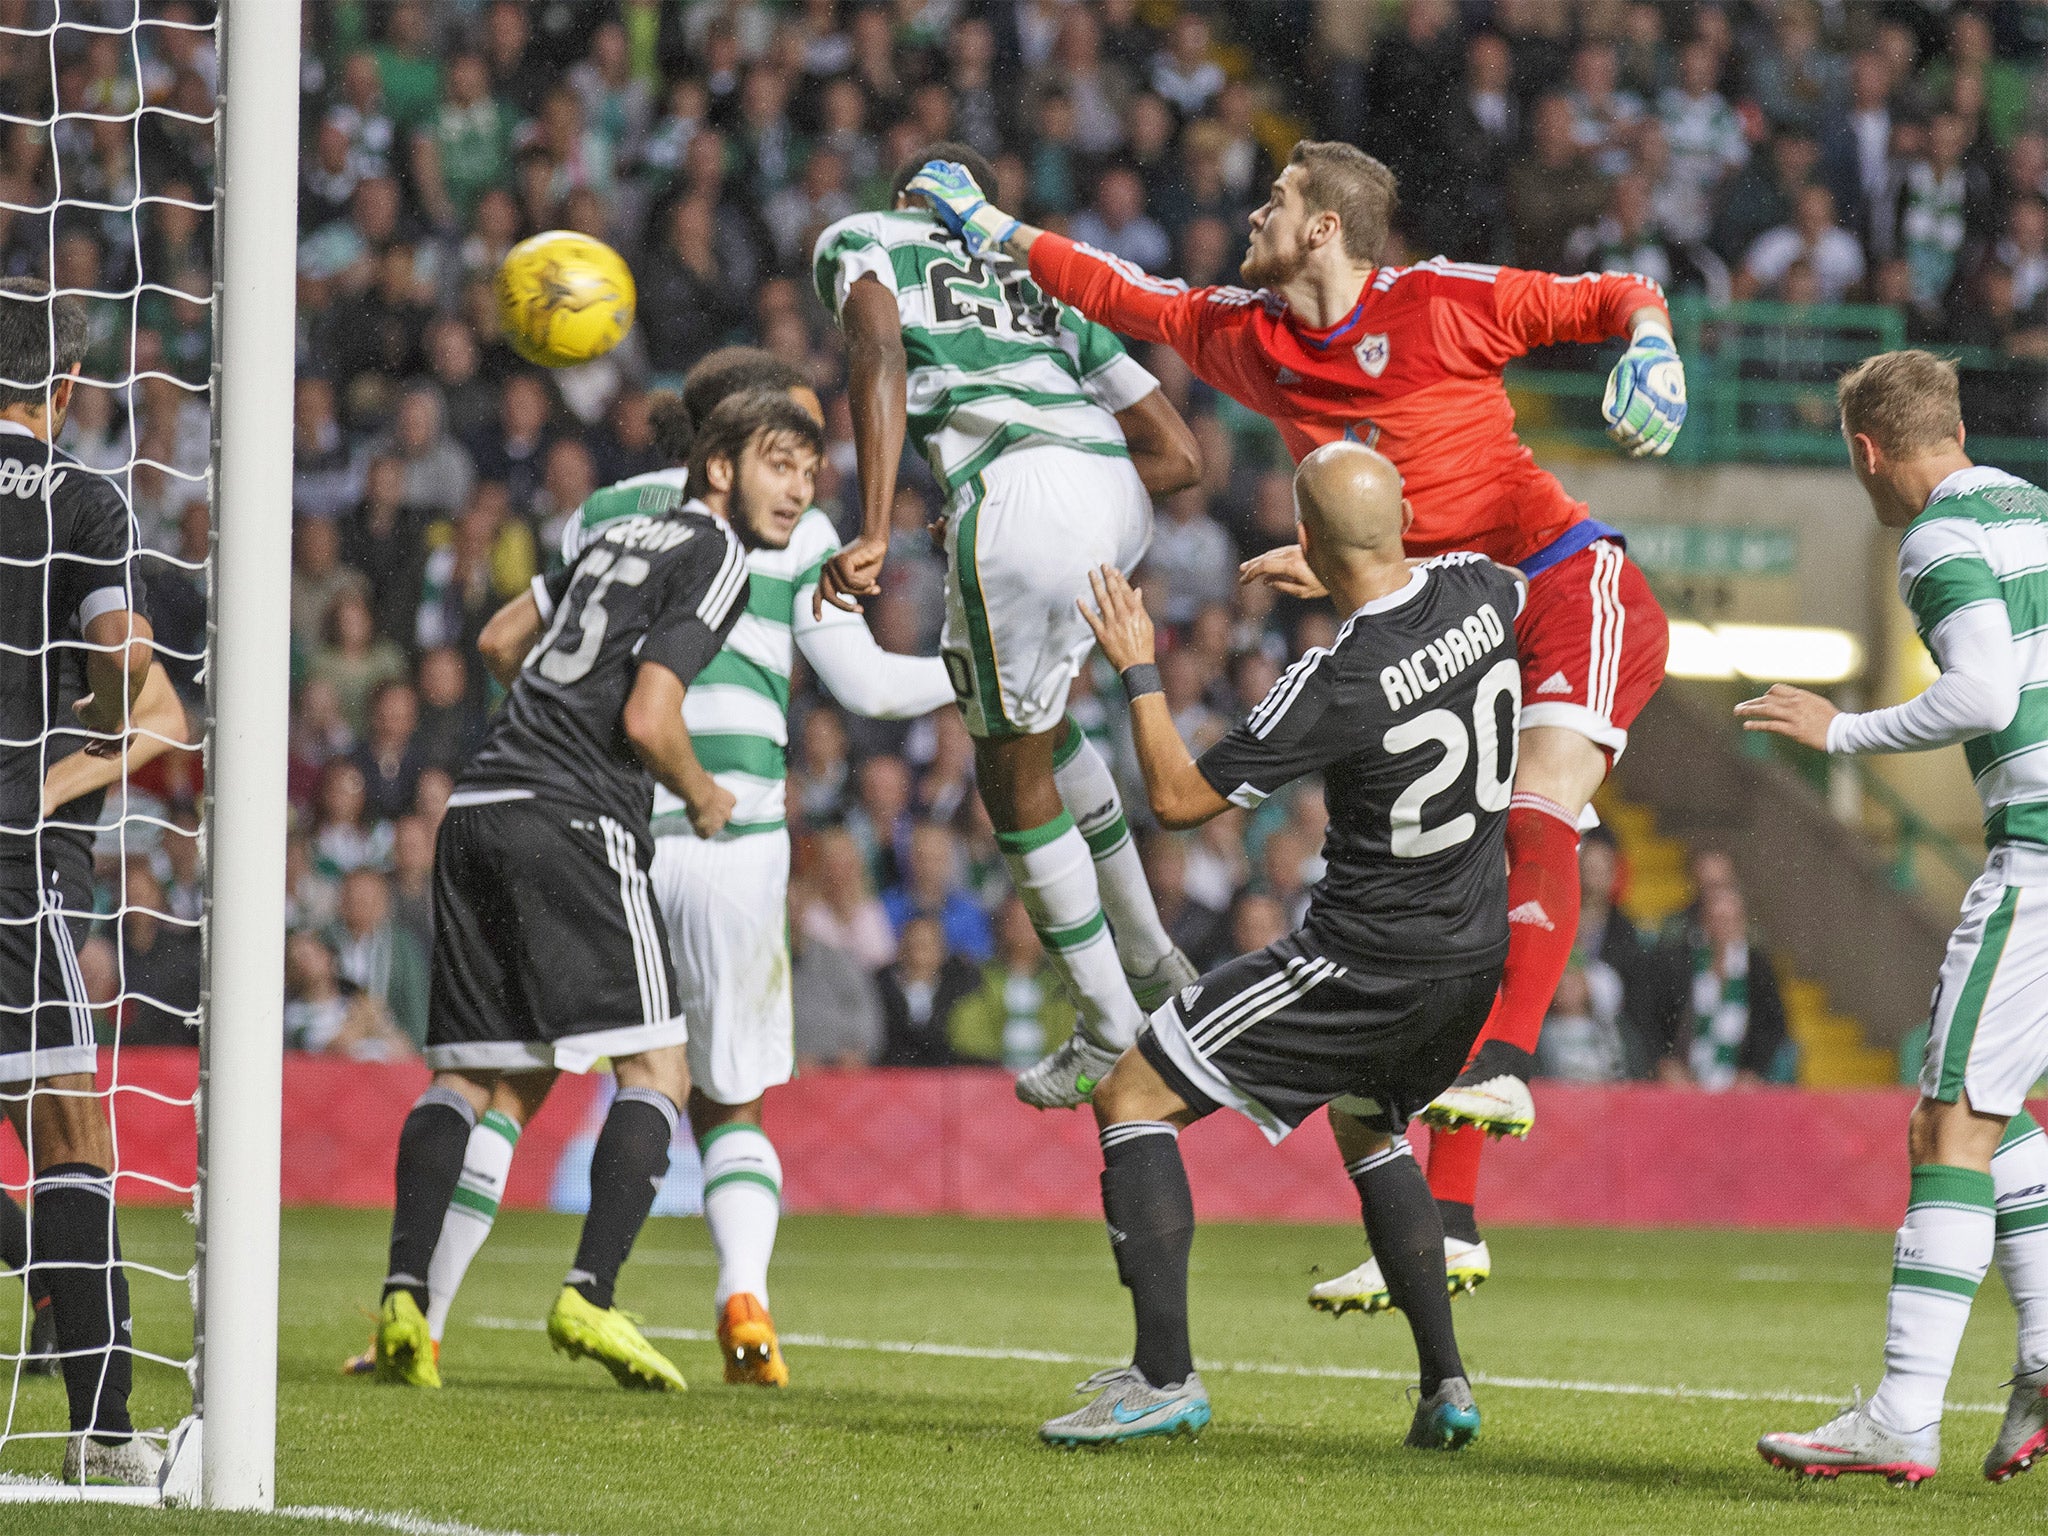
[114, 150]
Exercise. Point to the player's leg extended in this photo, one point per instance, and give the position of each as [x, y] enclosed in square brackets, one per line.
[1088, 790]
[1467, 1263]
[742, 1207]
[479, 1189]
[1943, 1250]
[77, 1257]
[432, 1145]
[2019, 1182]
[1407, 1240]
[1151, 1217]
[626, 1168]
[725, 904]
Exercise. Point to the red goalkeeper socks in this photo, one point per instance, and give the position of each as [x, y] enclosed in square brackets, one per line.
[1543, 917]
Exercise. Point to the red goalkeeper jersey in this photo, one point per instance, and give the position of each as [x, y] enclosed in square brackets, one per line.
[1414, 370]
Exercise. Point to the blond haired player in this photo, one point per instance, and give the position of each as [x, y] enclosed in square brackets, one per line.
[1973, 567]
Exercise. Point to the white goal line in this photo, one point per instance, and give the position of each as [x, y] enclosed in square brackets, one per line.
[1679, 1393]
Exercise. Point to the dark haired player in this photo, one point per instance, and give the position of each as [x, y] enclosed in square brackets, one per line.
[723, 899]
[1372, 1006]
[1331, 346]
[70, 590]
[548, 953]
[1045, 437]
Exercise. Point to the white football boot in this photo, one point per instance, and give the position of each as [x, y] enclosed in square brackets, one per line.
[1492, 1093]
[130, 1463]
[1854, 1442]
[1364, 1289]
[1128, 1407]
[1066, 1078]
[2024, 1434]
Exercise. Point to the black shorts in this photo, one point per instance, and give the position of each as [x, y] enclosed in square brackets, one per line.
[1281, 1032]
[547, 949]
[45, 1021]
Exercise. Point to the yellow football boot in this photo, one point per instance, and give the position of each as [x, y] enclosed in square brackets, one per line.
[746, 1340]
[406, 1355]
[608, 1336]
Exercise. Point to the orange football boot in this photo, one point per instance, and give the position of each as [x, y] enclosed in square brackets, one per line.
[746, 1341]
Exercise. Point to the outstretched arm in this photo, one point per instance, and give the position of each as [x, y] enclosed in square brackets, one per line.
[877, 376]
[158, 725]
[882, 685]
[1180, 797]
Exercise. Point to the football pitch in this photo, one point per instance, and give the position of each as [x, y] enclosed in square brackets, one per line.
[1623, 1377]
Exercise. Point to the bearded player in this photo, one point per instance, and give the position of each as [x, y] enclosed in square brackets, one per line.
[1330, 345]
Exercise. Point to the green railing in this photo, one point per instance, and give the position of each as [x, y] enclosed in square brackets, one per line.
[1760, 385]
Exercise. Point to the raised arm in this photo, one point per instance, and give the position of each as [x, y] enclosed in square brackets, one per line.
[158, 725]
[882, 685]
[117, 664]
[1163, 450]
[1174, 787]
[877, 375]
[508, 635]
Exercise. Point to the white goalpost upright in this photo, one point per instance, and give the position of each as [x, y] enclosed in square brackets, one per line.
[242, 1038]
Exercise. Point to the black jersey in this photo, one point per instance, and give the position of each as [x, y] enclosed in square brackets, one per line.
[1410, 717]
[665, 589]
[68, 553]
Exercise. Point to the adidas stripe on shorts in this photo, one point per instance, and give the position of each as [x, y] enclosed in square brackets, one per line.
[548, 951]
[1989, 1035]
[1593, 640]
[1278, 1033]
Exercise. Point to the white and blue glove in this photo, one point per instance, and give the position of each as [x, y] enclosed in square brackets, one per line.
[958, 202]
[1645, 401]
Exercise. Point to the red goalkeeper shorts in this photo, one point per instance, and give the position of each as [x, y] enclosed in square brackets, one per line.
[1593, 641]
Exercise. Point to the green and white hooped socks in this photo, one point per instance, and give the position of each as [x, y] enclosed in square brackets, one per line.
[1088, 790]
[471, 1210]
[1940, 1258]
[2019, 1179]
[1055, 876]
[742, 1205]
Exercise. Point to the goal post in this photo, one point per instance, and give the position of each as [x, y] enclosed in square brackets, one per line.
[242, 1039]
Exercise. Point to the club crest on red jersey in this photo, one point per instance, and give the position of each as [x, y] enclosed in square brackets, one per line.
[1372, 353]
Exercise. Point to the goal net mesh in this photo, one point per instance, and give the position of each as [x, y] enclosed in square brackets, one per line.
[107, 153]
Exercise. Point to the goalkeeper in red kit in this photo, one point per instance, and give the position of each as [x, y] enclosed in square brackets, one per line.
[1329, 344]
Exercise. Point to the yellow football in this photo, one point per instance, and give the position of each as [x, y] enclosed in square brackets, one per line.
[564, 298]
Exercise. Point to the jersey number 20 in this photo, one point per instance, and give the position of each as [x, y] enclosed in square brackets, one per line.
[1493, 782]
[586, 604]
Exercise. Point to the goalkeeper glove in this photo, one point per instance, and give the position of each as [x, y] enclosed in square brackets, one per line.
[959, 203]
[1645, 401]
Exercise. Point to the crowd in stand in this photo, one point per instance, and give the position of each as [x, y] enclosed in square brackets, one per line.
[1895, 153]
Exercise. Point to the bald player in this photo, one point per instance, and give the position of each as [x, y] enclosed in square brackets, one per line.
[1372, 1007]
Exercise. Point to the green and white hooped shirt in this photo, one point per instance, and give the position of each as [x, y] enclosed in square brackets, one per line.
[737, 708]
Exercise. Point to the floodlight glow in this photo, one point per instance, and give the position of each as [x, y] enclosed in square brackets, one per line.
[1774, 653]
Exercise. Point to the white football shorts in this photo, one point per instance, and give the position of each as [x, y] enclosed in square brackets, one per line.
[726, 905]
[1021, 538]
[1989, 1036]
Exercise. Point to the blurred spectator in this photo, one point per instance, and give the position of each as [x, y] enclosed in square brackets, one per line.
[1941, 202]
[388, 756]
[325, 479]
[1705, 136]
[376, 954]
[880, 821]
[513, 448]
[838, 1014]
[1812, 237]
[1604, 116]
[321, 1014]
[412, 880]
[159, 965]
[382, 539]
[1581, 1041]
[844, 911]
[1021, 1010]
[1765, 192]
[1856, 146]
[2023, 251]
[438, 473]
[353, 659]
[1609, 945]
[1728, 1025]
[1197, 929]
[919, 992]
[1116, 221]
[345, 836]
[1799, 81]
[933, 887]
[693, 288]
[1553, 189]
[1193, 554]
[1183, 72]
[451, 725]
[464, 146]
[1256, 920]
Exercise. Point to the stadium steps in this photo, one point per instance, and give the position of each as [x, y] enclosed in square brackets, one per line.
[1832, 1050]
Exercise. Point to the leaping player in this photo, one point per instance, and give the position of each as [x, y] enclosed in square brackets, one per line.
[1330, 345]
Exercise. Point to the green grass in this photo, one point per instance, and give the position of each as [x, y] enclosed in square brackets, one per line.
[887, 1442]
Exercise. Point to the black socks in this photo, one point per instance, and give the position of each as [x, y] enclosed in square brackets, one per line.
[1407, 1237]
[431, 1147]
[626, 1168]
[78, 1253]
[1151, 1216]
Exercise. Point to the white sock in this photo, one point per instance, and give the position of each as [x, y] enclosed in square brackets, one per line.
[1055, 876]
[1088, 790]
[471, 1210]
[2019, 1176]
[1943, 1250]
[742, 1204]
